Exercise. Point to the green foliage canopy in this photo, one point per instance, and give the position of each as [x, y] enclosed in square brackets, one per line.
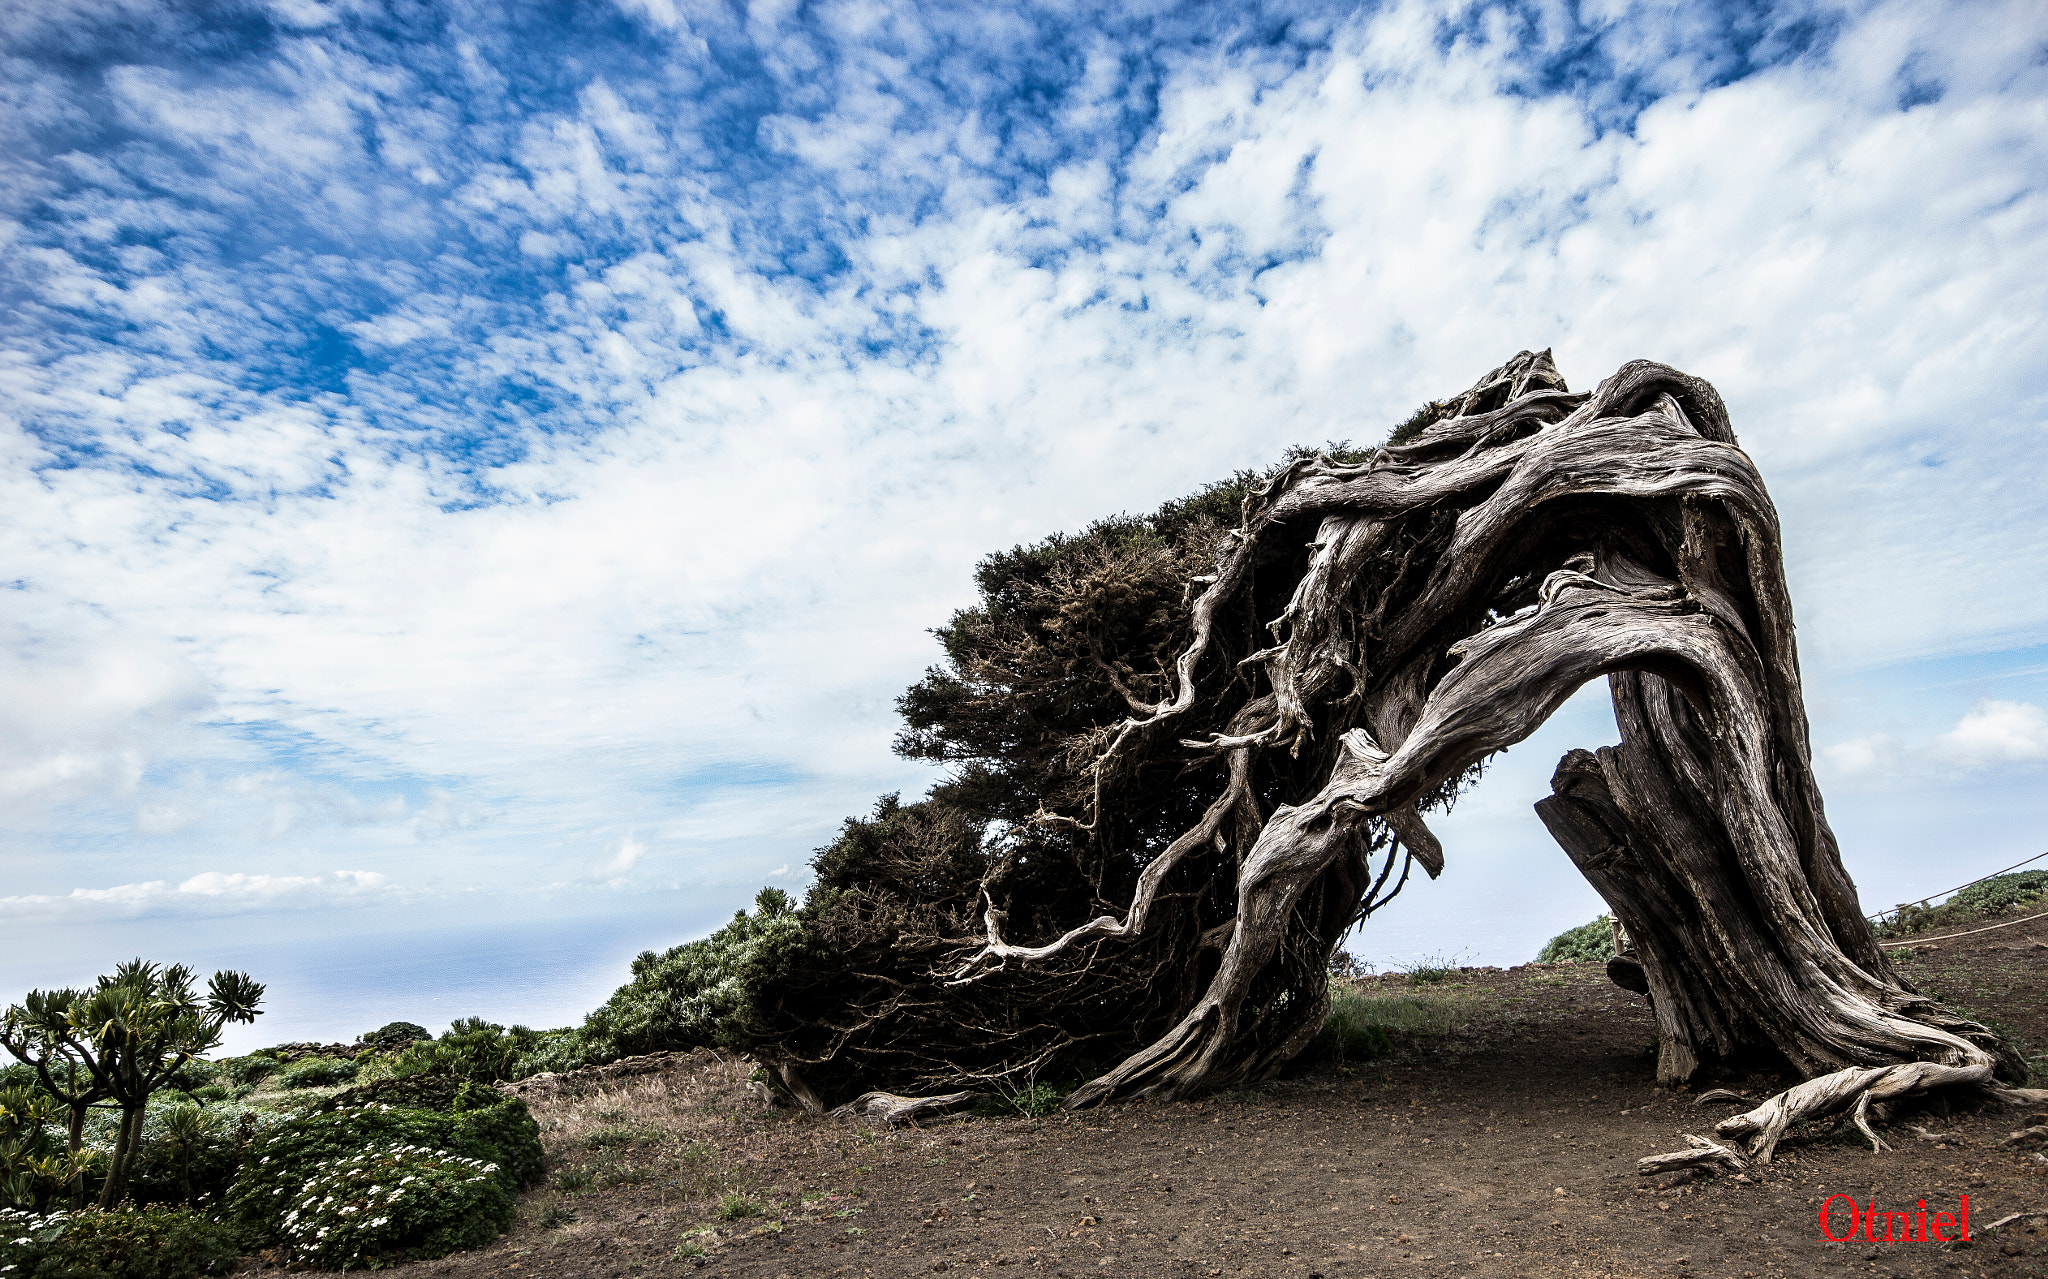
[395, 1034]
[2002, 892]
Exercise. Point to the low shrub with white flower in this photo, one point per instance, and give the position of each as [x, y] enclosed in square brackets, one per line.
[369, 1207]
[269, 1200]
[23, 1237]
[153, 1242]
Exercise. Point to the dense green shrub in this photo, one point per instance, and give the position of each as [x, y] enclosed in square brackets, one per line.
[693, 995]
[395, 1202]
[193, 1075]
[318, 1072]
[446, 1115]
[395, 1034]
[32, 1164]
[2027, 889]
[417, 1091]
[252, 1069]
[185, 1151]
[2002, 892]
[143, 1243]
[1591, 943]
[25, 1238]
[561, 1050]
[473, 1049]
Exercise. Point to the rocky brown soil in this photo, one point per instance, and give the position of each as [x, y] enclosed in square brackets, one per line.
[1499, 1138]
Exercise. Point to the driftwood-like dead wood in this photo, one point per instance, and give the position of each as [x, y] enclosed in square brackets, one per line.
[800, 1092]
[1704, 1153]
[888, 1108]
[1926, 1135]
[1454, 590]
[2035, 1135]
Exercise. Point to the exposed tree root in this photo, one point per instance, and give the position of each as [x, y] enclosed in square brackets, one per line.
[1856, 1090]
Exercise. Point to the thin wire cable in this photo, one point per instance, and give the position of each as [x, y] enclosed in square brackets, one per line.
[1924, 941]
[1960, 887]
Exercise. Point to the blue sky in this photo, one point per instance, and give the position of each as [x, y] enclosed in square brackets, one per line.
[493, 467]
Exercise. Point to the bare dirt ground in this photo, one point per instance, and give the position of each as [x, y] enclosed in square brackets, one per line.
[1499, 1139]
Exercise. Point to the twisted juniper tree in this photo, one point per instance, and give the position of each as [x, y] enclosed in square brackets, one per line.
[1458, 587]
[1191, 752]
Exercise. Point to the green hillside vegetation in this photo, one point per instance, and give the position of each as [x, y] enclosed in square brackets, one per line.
[2011, 895]
[298, 1148]
[2019, 893]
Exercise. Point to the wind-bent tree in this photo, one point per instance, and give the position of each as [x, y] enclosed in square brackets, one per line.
[1457, 588]
[1191, 752]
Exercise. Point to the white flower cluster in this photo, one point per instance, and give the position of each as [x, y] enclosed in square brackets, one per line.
[21, 1229]
[359, 1204]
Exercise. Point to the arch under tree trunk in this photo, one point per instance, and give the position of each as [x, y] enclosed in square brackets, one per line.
[1459, 586]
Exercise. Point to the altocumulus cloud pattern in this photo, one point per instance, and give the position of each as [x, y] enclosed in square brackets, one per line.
[456, 448]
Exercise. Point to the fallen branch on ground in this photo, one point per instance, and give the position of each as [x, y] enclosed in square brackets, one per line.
[893, 1110]
[1703, 1152]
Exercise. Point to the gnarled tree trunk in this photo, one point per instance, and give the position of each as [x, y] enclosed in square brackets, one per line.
[1459, 586]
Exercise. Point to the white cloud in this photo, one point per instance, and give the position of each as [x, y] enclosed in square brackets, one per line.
[208, 893]
[215, 883]
[1991, 734]
[82, 714]
[624, 857]
[1995, 732]
[1875, 755]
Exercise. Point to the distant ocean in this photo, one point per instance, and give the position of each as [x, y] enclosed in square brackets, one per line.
[330, 977]
[537, 973]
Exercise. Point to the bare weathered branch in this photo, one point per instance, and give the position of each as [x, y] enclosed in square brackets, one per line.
[888, 1108]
